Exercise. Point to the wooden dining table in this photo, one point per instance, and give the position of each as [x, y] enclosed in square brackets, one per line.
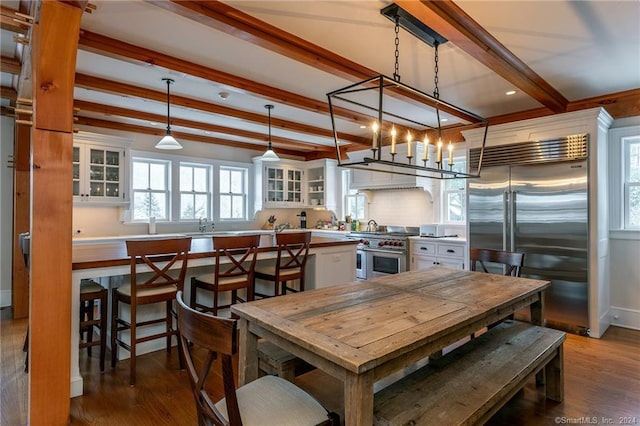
[363, 332]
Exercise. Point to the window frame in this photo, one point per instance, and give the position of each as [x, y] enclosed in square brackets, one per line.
[174, 162]
[208, 193]
[244, 194]
[166, 191]
[618, 170]
[348, 194]
[445, 207]
[628, 185]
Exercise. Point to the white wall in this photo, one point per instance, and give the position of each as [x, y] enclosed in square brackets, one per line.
[408, 207]
[6, 209]
[624, 245]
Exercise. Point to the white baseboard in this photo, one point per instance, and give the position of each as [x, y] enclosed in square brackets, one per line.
[623, 317]
[5, 298]
[76, 386]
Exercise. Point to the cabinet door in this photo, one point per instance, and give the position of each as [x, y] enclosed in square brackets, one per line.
[98, 173]
[274, 184]
[422, 262]
[294, 186]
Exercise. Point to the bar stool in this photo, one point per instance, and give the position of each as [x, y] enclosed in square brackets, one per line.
[293, 250]
[90, 292]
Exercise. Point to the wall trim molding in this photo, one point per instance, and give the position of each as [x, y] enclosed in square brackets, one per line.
[624, 317]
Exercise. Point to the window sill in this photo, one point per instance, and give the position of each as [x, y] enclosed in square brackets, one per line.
[624, 234]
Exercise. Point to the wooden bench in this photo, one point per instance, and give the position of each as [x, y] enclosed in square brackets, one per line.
[274, 360]
[471, 383]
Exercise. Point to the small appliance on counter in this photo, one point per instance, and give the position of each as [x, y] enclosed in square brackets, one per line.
[434, 231]
[431, 230]
[303, 220]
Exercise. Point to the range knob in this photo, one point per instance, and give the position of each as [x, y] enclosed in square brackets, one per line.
[381, 243]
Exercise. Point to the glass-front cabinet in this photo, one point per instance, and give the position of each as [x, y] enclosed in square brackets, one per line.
[283, 186]
[99, 172]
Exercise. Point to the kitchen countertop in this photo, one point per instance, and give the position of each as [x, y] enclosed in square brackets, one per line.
[439, 239]
[114, 252]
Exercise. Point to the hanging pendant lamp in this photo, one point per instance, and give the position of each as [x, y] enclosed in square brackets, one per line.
[269, 154]
[168, 141]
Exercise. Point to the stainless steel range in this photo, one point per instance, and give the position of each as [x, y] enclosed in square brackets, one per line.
[383, 253]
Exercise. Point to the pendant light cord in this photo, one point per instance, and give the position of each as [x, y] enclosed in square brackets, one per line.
[169, 81]
[269, 108]
[396, 72]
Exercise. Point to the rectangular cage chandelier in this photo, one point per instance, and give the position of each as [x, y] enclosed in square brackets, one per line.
[392, 114]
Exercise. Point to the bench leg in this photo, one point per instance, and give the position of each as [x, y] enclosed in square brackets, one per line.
[554, 372]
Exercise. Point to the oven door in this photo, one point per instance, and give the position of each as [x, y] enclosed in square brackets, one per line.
[385, 262]
[361, 265]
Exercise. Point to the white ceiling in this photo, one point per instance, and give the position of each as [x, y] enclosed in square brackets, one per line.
[582, 49]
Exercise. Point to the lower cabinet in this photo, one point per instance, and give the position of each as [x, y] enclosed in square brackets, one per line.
[450, 253]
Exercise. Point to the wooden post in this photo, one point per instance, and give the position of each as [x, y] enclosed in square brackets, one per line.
[21, 219]
[54, 49]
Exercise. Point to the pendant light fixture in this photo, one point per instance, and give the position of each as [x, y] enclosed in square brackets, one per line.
[400, 113]
[168, 141]
[269, 154]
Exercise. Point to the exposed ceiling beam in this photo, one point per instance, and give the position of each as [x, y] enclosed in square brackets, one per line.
[222, 17]
[107, 124]
[83, 106]
[450, 21]
[104, 45]
[619, 105]
[9, 21]
[100, 84]
[10, 65]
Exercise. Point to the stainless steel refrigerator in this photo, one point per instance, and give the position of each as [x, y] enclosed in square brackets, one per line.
[533, 198]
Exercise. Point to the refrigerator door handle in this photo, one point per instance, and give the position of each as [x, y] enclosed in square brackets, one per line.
[512, 223]
[505, 220]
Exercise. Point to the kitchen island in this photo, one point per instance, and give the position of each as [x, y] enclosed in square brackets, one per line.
[331, 261]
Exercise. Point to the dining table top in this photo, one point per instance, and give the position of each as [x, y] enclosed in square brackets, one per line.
[361, 325]
[99, 255]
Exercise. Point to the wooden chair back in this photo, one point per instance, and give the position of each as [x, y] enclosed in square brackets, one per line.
[236, 259]
[218, 337]
[293, 250]
[165, 258]
[513, 261]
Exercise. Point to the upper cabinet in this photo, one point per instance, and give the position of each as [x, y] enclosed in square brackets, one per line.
[296, 184]
[99, 169]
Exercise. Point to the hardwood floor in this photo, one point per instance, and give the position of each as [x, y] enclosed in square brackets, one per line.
[602, 381]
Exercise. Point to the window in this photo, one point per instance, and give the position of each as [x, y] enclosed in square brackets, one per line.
[233, 193]
[150, 186]
[454, 194]
[354, 202]
[631, 158]
[195, 192]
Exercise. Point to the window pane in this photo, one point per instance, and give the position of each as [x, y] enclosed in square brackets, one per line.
[238, 207]
[157, 176]
[634, 162]
[456, 207]
[237, 186]
[225, 206]
[140, 175]
[634, 206]
[200, 206]
[186, 178]
[200, 183]
[224, 181]
[187, 209]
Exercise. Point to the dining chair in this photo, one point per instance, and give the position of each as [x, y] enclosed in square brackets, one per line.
[268, 400]
[235, 261]
[291, 261]
[512, 261]
[158, 269]
[484, 258]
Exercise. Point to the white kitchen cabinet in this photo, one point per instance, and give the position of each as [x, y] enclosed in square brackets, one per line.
[449, 252]
[322, 184]
[278, 184]
[100, 169]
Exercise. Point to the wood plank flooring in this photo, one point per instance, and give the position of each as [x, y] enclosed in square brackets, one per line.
[602, 380]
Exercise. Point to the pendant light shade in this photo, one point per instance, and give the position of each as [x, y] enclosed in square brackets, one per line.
[269, 154]
[168, 141]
